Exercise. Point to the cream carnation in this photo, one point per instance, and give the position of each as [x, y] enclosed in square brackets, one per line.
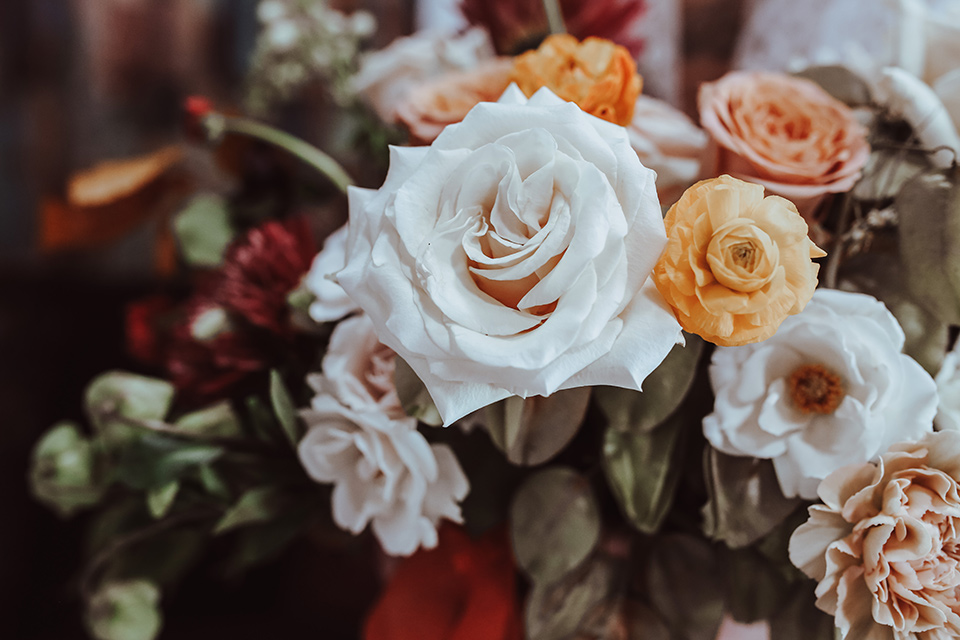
[512, 256]
[885, 545]
[386, 473]
[829, 388]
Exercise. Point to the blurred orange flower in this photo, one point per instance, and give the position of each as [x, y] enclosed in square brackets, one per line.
[596, 74]
[463, 589]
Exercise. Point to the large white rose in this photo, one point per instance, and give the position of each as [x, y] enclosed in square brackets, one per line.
[830, 388]
[512, 256]
[948, 391]
[385, 471]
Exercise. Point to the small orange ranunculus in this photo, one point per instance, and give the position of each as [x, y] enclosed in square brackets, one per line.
[596, 74]
[463, 589]
[736, 263]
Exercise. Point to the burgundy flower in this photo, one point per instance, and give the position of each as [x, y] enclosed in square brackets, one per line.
[146, 338]
[517, 24]
[261, 269]
[207, 356]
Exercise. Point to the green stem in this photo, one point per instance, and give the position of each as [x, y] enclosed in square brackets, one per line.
[306, 152]
[554, 16]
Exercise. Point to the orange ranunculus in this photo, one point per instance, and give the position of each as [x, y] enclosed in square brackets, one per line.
[784, 133]
[736, 263]
[596, 74]
[427, 109]
[463, 589]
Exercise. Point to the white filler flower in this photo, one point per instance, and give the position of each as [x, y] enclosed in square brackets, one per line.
[385, 471]
[512, 256]
[830, 388]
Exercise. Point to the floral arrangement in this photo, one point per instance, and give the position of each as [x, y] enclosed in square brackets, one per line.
[586, 369]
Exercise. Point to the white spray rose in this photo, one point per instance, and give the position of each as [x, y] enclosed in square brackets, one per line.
[386, 76]
[511, 257]
[830, 388]
[948, 390]
[331, 302]
[668, 142]
[386, 473]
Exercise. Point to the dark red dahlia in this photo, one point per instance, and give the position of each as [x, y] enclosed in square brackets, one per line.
[261, 269]
[516, 25]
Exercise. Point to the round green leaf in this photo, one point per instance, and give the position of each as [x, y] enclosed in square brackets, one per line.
[685, 586]
[531, 431]
[554, 523]
[119, 394]
[127, 610]
[557, 611]
[64, 470]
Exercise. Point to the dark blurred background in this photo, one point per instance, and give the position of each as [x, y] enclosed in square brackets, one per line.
[82, 81]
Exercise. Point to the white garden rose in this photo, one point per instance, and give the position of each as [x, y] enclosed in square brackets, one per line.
[330, 302]
[360, 439]
[511, 257]
[830, 388]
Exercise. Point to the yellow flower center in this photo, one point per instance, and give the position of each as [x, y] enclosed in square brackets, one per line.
[744, 254]
[815, 389]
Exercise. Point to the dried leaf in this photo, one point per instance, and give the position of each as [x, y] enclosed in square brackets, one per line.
[116, 179]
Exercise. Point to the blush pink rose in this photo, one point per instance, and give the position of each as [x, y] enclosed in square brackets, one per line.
[427, 109]
[784, 133]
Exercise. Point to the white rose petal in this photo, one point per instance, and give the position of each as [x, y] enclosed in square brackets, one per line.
[512, 256]
[668, 142]
[332, 302]
[887, 397]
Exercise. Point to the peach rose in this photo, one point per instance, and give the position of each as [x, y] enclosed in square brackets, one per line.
[784, 133]
[596, 74]
[736, 263]
[885, 545]
[427, 109]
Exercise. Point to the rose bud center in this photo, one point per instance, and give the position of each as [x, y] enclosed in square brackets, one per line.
[815, 389]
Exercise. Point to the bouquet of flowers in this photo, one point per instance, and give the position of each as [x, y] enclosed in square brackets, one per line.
[585, 369]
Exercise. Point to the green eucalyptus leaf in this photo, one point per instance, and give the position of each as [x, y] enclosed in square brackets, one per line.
[254, 506]
[160, 499]
[213, 483]
[203, 230]
[115, 395]
[285, 408]
[558, 610]
[840, 82]
[745, 502]
[644, 622]
[929, 209]
[927, 337]
[218, 421]
[663, 391]
[685, 586]
[413, 394]
[755, 588]
[531, 431]
[64, 470]
[153, 461]
[554, 523]
[800, 619]
[259, 542]
[163, 558]
[127, 610]
[643, 469]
